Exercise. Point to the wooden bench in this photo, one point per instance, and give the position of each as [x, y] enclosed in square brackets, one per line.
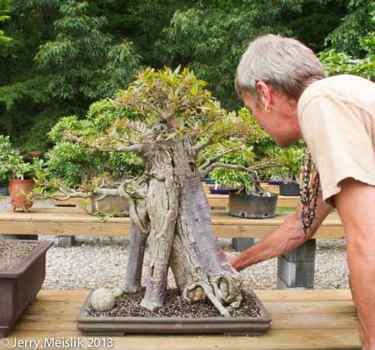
[216, 201]
[295, 269]
[303, 320]
[74, 221]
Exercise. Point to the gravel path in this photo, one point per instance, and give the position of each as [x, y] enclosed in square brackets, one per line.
[101, 262]
[94, 263]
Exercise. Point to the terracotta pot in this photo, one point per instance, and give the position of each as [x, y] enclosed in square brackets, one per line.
[20, 194]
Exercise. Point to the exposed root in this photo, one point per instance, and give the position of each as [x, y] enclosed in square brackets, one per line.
[228, 289]
[221, 291]
[153, 302]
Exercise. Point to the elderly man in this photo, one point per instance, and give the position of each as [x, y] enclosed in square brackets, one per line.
[282, 83]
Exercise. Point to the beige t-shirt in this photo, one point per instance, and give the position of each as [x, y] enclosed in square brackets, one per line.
[337, 120]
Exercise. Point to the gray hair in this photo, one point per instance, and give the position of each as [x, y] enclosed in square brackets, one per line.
[284, 63]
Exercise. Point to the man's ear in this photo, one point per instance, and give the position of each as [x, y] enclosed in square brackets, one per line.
[264, 93]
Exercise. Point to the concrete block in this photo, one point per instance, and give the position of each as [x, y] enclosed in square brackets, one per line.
[295, 274]
[24, 237]
[304, 253]
[64, 241]
[241, 244]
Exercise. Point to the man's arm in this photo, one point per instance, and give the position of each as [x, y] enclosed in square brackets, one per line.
[288, 236]
[356, 207]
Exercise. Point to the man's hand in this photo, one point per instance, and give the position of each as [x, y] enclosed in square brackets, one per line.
[231, 257]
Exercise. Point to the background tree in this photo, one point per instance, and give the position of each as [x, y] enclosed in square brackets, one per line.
[66, 61]
[66, 54]
[210, 36]
[352, 49]
[4, 10]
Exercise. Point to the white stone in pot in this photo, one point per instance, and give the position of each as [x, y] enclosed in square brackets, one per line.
[117, 292]
[102, 299]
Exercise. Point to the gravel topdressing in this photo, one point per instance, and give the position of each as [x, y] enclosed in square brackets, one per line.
[129, 305]
[13, 252]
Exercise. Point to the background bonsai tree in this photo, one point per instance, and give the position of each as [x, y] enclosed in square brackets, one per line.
[77, 169]
[256, 154]
[175, 132]
[290, 160]
[73, 169]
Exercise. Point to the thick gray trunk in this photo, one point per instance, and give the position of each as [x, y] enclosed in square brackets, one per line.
[181, 236]
[162, 207]
[139, 231]
[137, 248]
[199, 265]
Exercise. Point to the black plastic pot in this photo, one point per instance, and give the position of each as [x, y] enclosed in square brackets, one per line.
[253, 205]
[290, 188]
[4, 190]
[209, 181]
[275, 182]
[220, 190]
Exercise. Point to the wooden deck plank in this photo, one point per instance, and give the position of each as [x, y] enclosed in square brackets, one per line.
[73, 221]
[275, 340]
[298, 323]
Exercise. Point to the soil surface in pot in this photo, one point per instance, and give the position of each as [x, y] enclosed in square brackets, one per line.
[12, 252]
[128, 305]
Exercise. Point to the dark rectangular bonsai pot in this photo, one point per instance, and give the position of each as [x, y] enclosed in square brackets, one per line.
[118, 326]
[20, 285]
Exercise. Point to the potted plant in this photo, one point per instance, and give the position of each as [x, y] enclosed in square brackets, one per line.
[77, 171]
[19, 173]
[164, 122]
[224, 181]
[291, 160]
[239, 177]
[247, 199]
[262, 146]
[22, 272]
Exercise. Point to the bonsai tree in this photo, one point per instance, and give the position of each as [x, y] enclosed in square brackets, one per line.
[255, 154]
[171, 127]
[290, 160]
[240, 171]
